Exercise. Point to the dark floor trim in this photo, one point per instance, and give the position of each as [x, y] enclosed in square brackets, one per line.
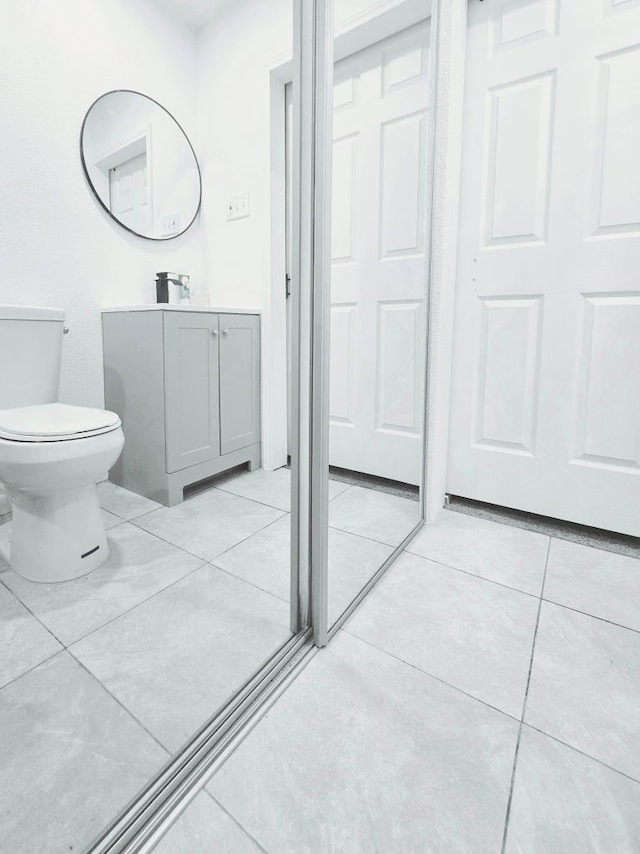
[369, 481]
[595, 537]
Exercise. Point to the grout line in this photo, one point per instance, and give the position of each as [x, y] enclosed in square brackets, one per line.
[201, 557]
[166, 750]
[362, 536]
[233, 818]
[473, 574]
[259, 531]
[270, 592]
[255, 500]
[33, 614]
[148, 512]
[117, 616]
[248, 583]
[137, 605]
[368, 539]
[430, 675]
[581, 752]
[524, 706]
[518, 590]
[33, 667]
[511, 788]
[168, 542]
[592, 616]
[272, 506]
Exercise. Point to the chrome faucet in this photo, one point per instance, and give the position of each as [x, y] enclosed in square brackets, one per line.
[163, 280]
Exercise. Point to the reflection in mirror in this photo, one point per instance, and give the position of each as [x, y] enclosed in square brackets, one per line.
[378, 294]
[140, 165]
[106, 676]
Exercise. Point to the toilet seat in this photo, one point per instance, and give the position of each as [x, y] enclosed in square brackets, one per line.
[55, 422]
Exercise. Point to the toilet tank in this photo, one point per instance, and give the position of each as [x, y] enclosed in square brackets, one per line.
[30, 355]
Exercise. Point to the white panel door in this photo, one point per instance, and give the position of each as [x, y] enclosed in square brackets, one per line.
[378, 279]
[546, 386]
[129, 194]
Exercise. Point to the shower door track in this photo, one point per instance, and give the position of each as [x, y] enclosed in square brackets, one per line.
[145, 819]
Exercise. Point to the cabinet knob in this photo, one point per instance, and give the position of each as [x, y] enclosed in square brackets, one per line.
[225, 331]
[214, 332]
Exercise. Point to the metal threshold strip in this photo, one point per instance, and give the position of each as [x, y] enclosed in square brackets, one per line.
[143, 820]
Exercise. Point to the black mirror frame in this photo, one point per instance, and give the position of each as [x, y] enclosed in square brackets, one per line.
[93, 189]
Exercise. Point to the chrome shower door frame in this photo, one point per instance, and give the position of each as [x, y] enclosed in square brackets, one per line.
[320, 288]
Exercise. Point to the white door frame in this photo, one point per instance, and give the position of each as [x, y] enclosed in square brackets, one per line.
[448, 67]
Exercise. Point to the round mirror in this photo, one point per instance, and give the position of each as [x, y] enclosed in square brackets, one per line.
[140, 165]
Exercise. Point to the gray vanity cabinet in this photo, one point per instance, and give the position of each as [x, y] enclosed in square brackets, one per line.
[239, 381]
[192, 383]
[186, 385]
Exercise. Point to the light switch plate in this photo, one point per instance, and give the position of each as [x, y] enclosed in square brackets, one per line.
[170, 224]
[238, 207]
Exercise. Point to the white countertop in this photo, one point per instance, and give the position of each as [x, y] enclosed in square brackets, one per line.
[165, 306]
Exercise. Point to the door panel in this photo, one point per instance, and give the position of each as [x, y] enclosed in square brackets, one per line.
[129, 194]
[191, 388]
[239, 381]
[545, 410]
[378, 274]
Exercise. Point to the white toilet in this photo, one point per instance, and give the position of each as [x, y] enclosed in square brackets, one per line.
[51, 455]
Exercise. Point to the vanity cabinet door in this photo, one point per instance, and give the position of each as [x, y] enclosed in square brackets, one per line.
[191, 388]
[239, 381]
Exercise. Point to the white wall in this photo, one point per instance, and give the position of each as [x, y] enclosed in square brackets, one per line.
[237, 51]
[57, 246]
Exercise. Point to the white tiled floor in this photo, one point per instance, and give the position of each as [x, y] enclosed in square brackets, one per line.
[456, 712]
[484, 698]
[103, 677]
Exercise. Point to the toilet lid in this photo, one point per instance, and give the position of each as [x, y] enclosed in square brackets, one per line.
[55, 422]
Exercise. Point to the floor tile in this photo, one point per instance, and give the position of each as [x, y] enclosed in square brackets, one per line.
[266, 487]
[600, 583]
[5, 506]
[23, 640]
[70, 758]
[175, 659]
[472, 634]
[565, 802]
[375, 515]
[585, 686]
[124, 503]
[269, 487]
[362, 754]
[336, 488]
[264, 560]
[4, 566]
[209, 523]
[501, 553]
[139, 565]
[110, 520]
[353, 561]
[203, 828]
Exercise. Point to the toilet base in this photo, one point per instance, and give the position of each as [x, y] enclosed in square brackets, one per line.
[56, 536]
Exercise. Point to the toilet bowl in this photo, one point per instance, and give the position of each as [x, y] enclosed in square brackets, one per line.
[51, 458]
[52, 455]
